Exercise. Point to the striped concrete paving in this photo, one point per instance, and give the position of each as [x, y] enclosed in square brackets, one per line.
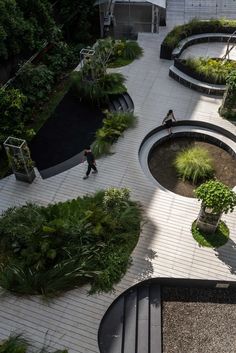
[165, 248]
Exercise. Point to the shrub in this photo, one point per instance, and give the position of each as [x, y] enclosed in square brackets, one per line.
[47, 250]
[113, 127]
[61, 58]
[14, 344]
[118, 52]
[216, 196]
[12, 104]
[18, 344]
[194, 164]
[116, 199]
[35, 82]
[209, 70]
[197, 27]
[99, 89]
[132, 50]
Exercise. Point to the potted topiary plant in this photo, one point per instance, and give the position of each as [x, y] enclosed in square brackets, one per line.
[19, 157]
[217, 199]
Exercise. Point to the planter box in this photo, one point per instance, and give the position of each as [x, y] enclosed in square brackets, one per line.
[208, 221]
[28, 178]
[165, 52]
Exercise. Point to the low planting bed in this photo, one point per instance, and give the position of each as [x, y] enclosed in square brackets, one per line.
[162, 164]
[209, 70]
[48, 250]
[195, 27]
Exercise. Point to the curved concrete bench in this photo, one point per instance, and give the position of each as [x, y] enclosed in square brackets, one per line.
[201, 38]
[188, 81]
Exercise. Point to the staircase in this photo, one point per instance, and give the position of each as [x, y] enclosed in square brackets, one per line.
[133, 323]
[121, 103]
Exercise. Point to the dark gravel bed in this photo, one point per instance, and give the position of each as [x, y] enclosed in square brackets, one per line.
[199, 320]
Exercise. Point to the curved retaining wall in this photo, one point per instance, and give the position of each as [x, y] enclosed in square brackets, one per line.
[170, 54]
[215, 135]
[190, 82]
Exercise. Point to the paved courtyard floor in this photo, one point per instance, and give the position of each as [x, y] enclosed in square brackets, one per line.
[165, 248]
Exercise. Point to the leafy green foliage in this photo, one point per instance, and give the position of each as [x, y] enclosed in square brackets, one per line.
[17, 344]
[211, 240]
[14, 344]
[113, 127]
[132, 50]
[118, 52]
[79, 19]
[196, 27]
[35, 82]
[116, 199]
[194, 164]
[99, 88]
[61, 58]
[24, 26]
[212, 70]
[47, 250]
[217, 196]
[12, 103]
[231, 79]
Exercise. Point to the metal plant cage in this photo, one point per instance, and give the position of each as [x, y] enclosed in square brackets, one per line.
[20, 160]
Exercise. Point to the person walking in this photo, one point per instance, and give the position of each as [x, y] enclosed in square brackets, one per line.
[168, 120]
[91, 162]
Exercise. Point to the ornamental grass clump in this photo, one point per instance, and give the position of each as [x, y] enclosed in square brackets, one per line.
[48, 250]
[194, 164]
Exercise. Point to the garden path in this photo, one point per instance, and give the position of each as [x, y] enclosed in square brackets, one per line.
[165, 248]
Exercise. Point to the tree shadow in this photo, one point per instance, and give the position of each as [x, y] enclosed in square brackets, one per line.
[227, 254]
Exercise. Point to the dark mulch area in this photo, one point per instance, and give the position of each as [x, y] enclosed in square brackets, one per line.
[199, 320]
[162, 158]
[69, 130]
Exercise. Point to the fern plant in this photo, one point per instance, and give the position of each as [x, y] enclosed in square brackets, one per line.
[194, 164]
[113, 127]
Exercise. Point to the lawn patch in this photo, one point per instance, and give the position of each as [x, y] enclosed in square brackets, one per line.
[215, 240]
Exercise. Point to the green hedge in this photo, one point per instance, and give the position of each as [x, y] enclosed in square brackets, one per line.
[209, 70]
[47, 250]
[197, 27]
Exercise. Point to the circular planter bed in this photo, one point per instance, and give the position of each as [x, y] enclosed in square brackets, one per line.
[161, 164]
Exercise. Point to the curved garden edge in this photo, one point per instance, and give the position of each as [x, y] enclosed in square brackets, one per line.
[195, 32]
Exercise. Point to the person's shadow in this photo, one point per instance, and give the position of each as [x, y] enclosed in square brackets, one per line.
[227, 254]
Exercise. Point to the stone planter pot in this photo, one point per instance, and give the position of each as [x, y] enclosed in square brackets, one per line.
[28, 178]
[208, 221]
